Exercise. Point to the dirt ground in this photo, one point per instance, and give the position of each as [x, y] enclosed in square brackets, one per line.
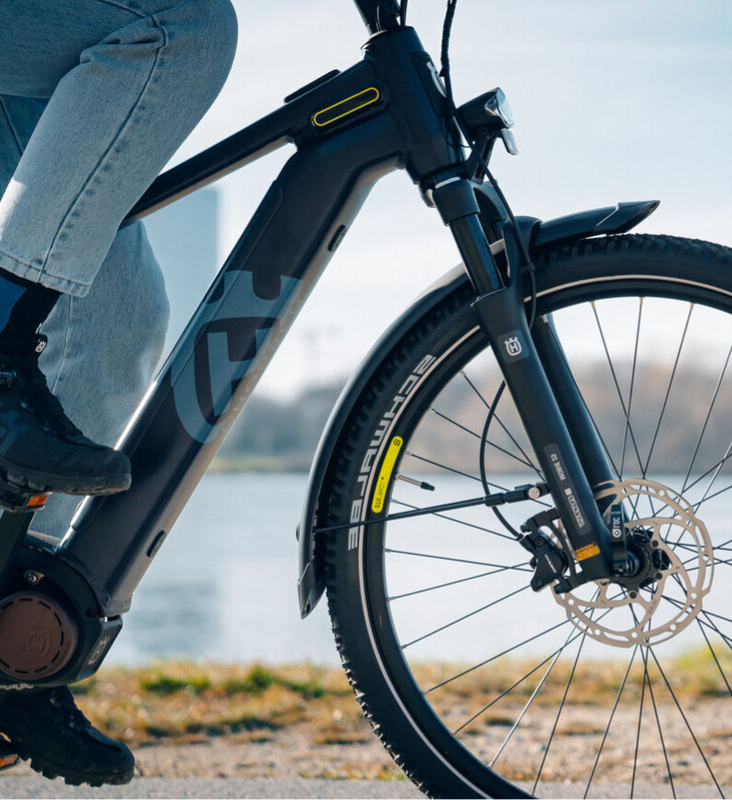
[304, 752]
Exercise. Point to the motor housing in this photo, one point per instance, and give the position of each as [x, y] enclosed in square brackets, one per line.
[37, 636]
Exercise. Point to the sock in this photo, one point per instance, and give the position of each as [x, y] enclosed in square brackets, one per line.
[23, 307]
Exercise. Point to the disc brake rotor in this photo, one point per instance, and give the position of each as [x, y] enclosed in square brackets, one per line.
[675, 566]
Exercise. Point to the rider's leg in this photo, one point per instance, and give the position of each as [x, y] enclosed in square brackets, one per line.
[126, 315]
[125, 83]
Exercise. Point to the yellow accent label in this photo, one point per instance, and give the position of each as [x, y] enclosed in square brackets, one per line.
[343, 108]
[587, 551]
[377, 504]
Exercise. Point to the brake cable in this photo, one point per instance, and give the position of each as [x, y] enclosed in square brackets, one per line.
[527, 264]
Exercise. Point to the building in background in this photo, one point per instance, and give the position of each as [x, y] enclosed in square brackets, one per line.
[184, 236]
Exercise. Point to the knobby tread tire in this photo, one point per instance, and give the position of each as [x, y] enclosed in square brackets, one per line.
[609, 262]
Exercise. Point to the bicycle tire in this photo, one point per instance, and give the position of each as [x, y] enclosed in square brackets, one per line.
[461, 713]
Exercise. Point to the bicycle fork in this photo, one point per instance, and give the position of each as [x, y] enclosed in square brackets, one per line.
[553, 421]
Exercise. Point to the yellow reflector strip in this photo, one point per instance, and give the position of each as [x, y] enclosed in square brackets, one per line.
[587, 551]
[343, 108]
[382, 484]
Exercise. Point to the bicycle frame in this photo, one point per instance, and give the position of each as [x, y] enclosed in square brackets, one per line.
[350, 128]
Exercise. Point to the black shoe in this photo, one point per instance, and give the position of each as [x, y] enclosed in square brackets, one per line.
[46, 727]
[40, 448]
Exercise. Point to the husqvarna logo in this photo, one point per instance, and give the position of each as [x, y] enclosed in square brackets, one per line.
[513, 346]
[219, 373]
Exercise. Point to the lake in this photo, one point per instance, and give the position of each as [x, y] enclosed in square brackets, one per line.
[224, 584]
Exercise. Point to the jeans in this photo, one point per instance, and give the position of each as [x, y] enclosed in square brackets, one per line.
[95, 97]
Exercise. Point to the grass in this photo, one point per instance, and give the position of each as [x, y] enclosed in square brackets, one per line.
[187, 702]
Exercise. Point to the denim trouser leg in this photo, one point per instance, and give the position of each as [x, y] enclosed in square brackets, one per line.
[125, 81]
[102, 348]
[118, 86]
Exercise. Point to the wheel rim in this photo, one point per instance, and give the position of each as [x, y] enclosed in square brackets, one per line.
[529, 692]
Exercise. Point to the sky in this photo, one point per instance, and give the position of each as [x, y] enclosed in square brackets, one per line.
[613, 100]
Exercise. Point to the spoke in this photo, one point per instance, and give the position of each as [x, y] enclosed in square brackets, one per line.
[640, 725]
[708, 615]
[668, 389]
[517, 723]
[522, 567]
[442, 466]
[717, 560]
[475, 716]
[500, 423]
[492, 444]
[722, 461]
[559, 713]
[686, 721]
[526, 707]
[712, 402]
[712, 625]
[644, 654]
[711, 469]
[500, 655]
[610, 720]
[463, 618]
[574, 634]
[632, 387]
[614, 375]
[457, 521]
[489, 501]
[708, 496]
[434, 588]
[714, 656]
[499, 569]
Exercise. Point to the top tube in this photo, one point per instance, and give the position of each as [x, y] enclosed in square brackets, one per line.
[379, 14]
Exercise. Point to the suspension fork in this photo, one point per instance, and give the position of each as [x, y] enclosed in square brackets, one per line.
[579, 423]
[502, 316]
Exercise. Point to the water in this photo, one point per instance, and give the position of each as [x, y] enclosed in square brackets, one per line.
[224, 585]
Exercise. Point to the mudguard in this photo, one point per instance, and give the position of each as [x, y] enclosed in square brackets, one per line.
[601, 221]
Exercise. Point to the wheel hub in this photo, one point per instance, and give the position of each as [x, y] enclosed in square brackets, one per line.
[672, 570]
[648, 561]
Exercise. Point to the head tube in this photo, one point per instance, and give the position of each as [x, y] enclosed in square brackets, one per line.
[379, 15]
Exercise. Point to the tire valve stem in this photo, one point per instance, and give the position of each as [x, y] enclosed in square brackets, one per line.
[421, 484]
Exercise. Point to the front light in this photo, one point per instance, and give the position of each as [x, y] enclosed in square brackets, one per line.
[497, 106]
[490, 111]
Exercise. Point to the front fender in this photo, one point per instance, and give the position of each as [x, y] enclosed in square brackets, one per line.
[311, 581]
[602, 221]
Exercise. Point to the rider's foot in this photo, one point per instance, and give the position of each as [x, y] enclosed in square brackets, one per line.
[40, 448]
[46, 727]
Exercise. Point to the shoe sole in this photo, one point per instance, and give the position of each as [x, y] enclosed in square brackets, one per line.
[45, 482]
[50, 770]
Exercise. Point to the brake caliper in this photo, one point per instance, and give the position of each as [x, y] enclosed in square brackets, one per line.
[549, 562]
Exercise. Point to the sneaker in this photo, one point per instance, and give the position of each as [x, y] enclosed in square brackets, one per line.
[40, 448]
[46, 727]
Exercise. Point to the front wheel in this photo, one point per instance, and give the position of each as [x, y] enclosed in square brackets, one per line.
[478, 685]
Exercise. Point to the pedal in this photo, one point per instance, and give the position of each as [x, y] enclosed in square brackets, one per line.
[8, 757]
[14, 498]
